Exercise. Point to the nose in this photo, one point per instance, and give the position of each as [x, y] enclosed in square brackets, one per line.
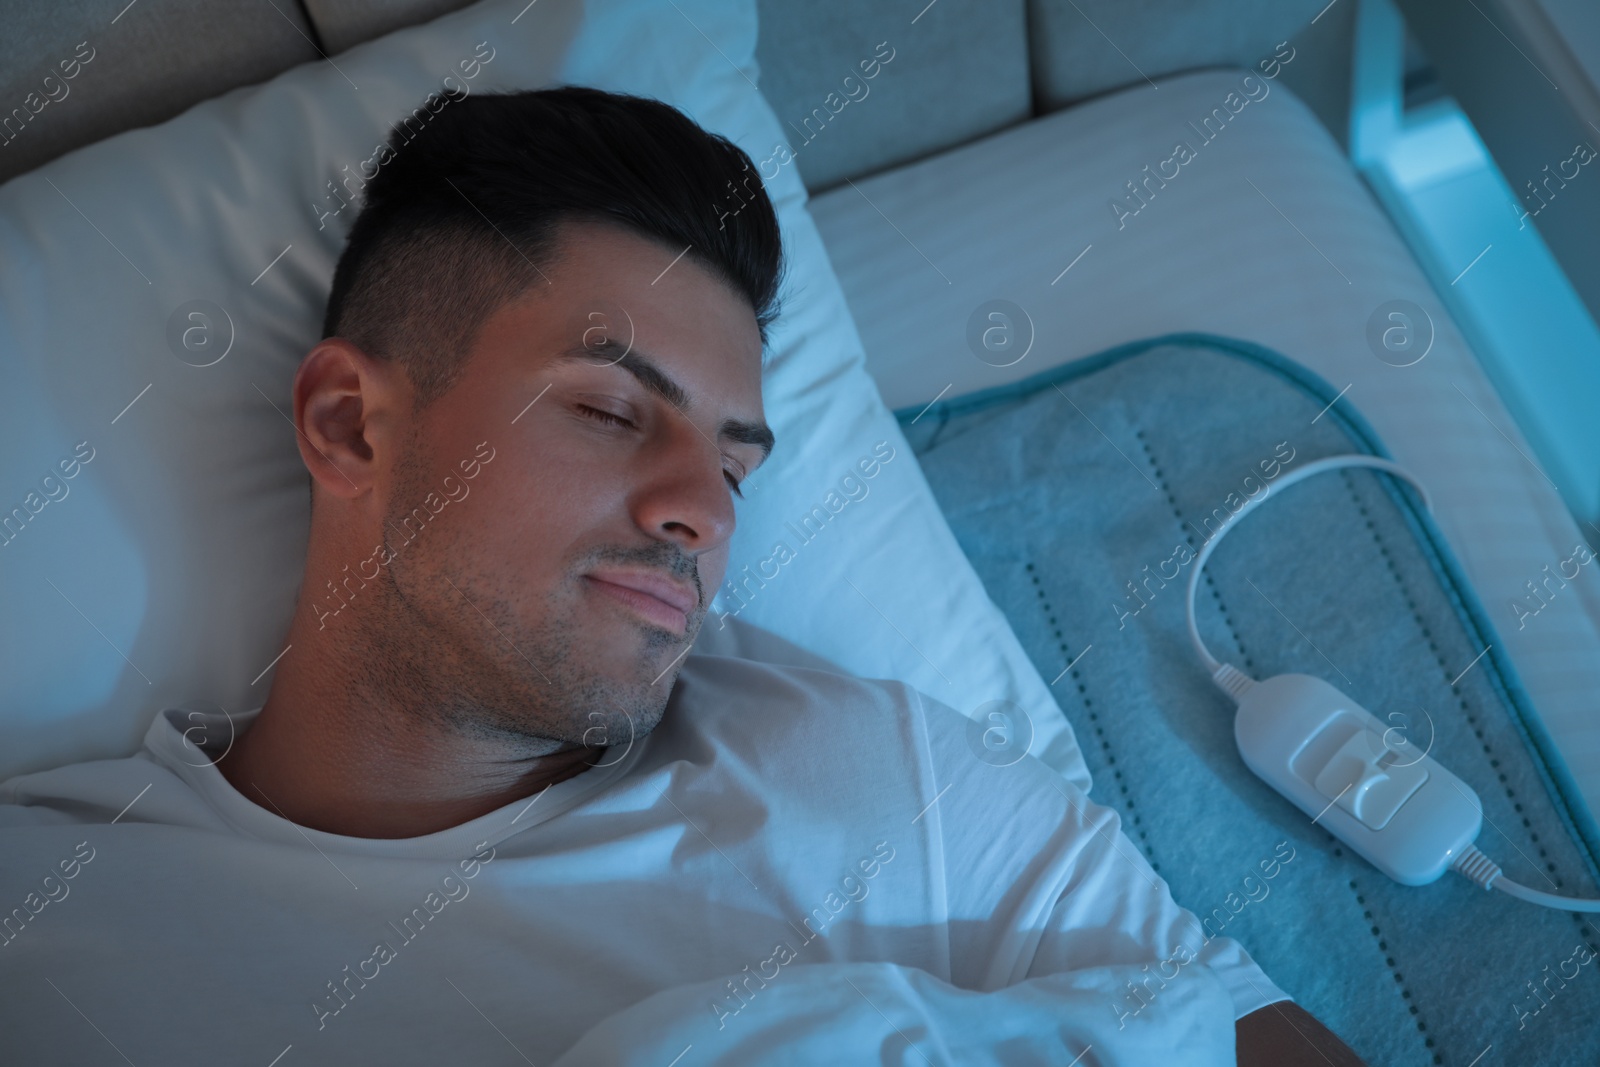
[684, 496]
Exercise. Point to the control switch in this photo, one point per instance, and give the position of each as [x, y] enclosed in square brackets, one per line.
[1369, 779]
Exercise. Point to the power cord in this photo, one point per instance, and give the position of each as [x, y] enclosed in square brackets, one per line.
[1468, 860]
[1483, 871]
[1230, 679]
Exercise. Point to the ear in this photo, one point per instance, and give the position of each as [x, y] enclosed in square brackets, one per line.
[350, 413]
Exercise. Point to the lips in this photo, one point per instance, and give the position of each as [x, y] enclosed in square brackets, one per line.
[662, 600]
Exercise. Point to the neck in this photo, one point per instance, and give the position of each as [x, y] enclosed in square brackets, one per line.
[355, 740]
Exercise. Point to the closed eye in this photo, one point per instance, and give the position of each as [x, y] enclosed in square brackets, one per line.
[604, 416]
[617, 420]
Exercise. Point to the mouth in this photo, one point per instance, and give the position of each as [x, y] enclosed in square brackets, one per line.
[659, 600]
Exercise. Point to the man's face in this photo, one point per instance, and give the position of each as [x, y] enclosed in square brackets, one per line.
[522, 600]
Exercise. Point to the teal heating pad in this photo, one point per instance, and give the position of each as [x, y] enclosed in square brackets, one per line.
[1081, 495]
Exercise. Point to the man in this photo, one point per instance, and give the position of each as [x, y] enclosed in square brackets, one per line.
[491, 810]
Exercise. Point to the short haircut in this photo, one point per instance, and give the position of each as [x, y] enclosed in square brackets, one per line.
[461, 212]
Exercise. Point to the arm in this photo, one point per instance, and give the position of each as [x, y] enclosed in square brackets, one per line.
[1286, 1035]
[883, 1012]
[1066, 856]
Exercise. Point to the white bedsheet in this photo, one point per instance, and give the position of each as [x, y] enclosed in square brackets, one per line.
[870, 1013]
[1266, 234]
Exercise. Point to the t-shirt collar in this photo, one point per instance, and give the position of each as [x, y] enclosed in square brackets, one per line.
[190, 743]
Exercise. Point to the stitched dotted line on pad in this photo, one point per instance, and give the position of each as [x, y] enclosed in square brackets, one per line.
[1183, 527]
[1461, 701]
[1088, 705]
[1250, 668]
[1383, 946]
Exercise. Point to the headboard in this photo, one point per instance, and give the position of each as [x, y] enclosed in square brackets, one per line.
[76, 71]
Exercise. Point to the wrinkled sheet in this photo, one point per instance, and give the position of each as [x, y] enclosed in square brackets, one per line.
[880, 1013]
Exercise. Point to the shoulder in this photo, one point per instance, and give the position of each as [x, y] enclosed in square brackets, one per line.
[822, 727]
[795, 707]
[801, 734]
[741, 675]
[75, 793]
[135, 789]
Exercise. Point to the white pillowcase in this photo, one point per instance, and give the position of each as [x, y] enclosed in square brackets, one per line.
[162, 572]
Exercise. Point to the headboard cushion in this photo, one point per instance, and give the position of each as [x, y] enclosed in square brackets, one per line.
[75, 71]
[862, 87]
[1083, 48]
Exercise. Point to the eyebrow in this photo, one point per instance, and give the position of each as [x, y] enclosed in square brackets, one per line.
[653, 378]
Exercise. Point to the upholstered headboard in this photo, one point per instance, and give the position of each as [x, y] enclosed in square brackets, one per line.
[966, 68]
[922, 76]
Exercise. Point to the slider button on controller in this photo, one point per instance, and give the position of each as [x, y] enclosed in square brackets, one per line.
[1405, 814]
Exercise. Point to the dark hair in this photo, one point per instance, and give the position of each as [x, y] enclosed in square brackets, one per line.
[459, 214]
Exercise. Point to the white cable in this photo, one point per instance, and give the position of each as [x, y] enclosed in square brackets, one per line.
[1230, 679]
[1471, 863]
[1483, 871]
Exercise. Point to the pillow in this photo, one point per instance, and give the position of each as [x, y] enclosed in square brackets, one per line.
[159, 289]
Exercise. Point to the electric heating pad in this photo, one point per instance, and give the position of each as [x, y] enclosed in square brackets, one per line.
[1083, 496]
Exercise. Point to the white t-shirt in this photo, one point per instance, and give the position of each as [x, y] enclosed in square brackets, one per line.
[778, 815]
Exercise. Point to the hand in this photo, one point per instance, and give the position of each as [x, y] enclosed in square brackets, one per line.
[1286, 1035]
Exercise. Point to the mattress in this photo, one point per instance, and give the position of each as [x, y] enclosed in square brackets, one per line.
[1217, 202]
